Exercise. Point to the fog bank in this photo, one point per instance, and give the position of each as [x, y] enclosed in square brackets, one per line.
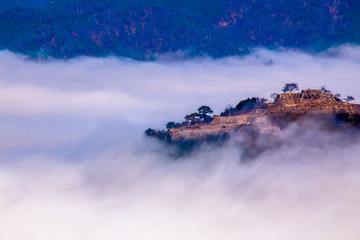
[74, 163]
[308, 189]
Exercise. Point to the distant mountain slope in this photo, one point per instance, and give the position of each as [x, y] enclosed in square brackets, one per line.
[142, 29]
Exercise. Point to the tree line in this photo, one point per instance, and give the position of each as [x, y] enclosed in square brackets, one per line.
[142, 29]
[201, 116]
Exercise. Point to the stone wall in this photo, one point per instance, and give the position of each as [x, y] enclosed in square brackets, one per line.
[314, 108]
[287, 98]
[240, 119]
[316, 96]
[306, 96]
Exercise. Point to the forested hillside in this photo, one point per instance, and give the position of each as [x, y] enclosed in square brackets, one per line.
[143, 29]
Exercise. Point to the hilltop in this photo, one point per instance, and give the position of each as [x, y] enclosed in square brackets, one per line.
[256, 119]
[269, 120]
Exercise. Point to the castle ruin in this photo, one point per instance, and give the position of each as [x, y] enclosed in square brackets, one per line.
[306, 96]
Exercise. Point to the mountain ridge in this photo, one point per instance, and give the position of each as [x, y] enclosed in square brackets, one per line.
[144, 29]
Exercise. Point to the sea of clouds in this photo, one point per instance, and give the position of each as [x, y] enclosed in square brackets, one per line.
[74, 163]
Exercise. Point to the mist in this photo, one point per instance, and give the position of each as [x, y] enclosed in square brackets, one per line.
[74, 163]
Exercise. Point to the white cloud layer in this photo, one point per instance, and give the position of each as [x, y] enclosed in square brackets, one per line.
[86, 93]
[306, 190]
[70, 168]
[134, 90]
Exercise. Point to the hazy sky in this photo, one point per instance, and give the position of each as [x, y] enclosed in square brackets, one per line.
[74, 164]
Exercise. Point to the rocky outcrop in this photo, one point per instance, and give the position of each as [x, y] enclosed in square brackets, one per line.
[286, 107]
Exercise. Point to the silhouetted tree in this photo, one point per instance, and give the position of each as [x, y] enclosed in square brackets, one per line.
[170, 125]
[324, 90]
[229, 108]
[337, 97]
[250, 104]
[203, 111]
[289, 87]
[273, 96]
[228, 111]
[159, 134]
[193, 118]
[150, 132]
[184, 123]
[349, 99]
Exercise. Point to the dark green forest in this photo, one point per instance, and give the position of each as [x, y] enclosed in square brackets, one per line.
[142, 29]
